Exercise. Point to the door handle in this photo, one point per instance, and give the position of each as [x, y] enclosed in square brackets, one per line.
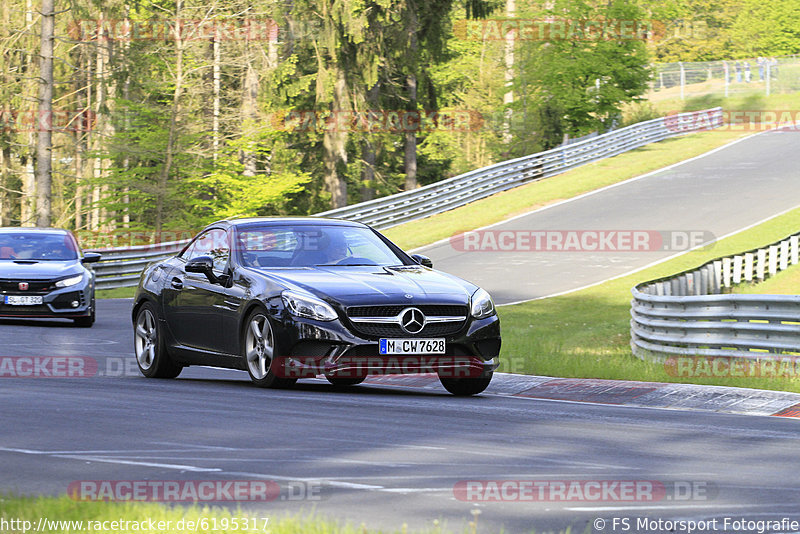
[177, 283]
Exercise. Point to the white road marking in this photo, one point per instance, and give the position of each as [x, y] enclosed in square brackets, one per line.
[595, 191]
[178, 467]
[659, 507]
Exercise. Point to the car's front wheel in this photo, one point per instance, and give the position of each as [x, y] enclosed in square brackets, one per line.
[464, 387]
[151, 351]
[259, 352]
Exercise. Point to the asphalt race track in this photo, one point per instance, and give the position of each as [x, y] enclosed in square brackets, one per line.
[386, 455]
[379, 455]
[713, 195]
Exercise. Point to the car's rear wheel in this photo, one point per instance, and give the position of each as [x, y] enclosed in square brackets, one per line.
[259, 352]
[464, 387]
[342, 381]
[151, 351]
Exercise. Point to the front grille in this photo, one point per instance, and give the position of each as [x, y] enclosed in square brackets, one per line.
[393, 311]
[394, 330]
[37, 287]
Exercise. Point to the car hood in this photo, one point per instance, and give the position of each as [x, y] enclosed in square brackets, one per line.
[350, 285]
[38, 270]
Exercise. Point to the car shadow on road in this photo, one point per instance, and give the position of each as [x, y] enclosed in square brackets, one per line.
[37, 322]
[322, 386]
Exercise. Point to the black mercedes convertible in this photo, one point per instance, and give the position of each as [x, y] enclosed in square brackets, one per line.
[290, 298]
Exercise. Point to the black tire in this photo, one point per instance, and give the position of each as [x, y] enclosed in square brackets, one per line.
[149, 347]
[464, 387]
[339, 381]
[258, 351]
[88, 321]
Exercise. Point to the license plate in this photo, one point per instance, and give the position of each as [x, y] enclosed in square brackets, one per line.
[23, 300]
[411, 346]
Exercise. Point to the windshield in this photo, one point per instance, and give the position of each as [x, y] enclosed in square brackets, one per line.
[37, 246]
[313, 246]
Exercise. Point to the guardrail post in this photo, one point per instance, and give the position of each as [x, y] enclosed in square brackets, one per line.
[761, 263]
[773, 260]
[748, 266]
[726, 272]
[683, 285]
[794, 242]
[737, 269]
[784, 255]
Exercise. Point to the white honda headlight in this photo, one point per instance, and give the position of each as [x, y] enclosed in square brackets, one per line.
[71, 281]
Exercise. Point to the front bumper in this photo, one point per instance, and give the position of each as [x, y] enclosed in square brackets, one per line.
[313, 348]
[57, 303]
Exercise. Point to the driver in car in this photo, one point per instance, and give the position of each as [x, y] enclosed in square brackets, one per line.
[337, 249]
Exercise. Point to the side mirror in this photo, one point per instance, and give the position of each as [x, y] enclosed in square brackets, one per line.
[90, 257]
[425, 261]
[202, 265]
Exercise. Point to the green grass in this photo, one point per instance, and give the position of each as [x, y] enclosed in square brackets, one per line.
[66, 509]
[589, 177]
[586, 334]
[785, 282]
[118, 293]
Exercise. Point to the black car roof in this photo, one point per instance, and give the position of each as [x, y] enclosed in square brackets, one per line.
[285, 221]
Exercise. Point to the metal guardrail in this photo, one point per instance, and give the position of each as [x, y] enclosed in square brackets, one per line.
[693, 313]
[120, 267]
[474, 185]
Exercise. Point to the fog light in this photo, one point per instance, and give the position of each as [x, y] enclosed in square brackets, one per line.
[74, 303]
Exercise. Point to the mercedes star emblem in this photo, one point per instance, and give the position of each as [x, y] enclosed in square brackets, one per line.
[412, 320]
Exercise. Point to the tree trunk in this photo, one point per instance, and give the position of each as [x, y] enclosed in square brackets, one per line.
[410, 152]
[216, 84]
[101, 219]
[508, 97]
[368, 154]
[28, 197]
[173, 122]
[334, 143]
[249, 116]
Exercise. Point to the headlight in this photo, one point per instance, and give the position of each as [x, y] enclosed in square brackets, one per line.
[482, 305]
[71, 281]
[308, 306]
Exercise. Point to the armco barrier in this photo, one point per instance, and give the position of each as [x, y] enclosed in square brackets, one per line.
[120, 267]
[693, 313]
[475, 185]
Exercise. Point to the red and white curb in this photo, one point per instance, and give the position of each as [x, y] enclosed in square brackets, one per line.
[720, 399]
